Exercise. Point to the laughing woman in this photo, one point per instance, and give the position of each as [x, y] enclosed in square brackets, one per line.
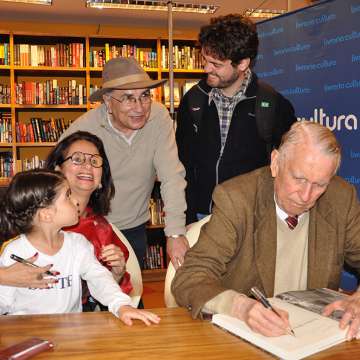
[81, 158]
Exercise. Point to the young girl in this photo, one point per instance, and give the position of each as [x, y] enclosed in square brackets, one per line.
[37, 205]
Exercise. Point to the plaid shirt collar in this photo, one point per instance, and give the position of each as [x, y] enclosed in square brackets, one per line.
[225, 106]
[216, 94]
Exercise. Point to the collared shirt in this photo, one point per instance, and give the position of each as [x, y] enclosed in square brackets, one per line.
[225, 105]
[128, 139]
[282, 215]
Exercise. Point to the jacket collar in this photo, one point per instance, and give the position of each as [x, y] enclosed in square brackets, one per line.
[265, 231]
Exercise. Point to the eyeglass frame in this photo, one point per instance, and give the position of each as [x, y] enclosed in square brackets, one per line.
[84, 159]
[133, 99]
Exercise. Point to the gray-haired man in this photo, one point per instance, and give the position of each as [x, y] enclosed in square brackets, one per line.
[139, 141]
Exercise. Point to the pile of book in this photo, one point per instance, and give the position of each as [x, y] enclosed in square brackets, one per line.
[5, 127]
[185, 57]
[154, 257]
[50, 93]
[146, 57]
[66, 55]
[41, 130]
[6, 164]
[4, 54]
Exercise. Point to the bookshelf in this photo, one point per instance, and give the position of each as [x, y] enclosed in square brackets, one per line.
[46, 79]
[45, 83]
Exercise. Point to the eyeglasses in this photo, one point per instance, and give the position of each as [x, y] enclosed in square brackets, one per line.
[130, 100]
[79, 158]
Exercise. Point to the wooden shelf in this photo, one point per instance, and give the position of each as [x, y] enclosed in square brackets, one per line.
[5, 106]
[4, 182]
[200, 71]
[5, 144]
[100, 69]
[48, 68]
[45, 106]
[153, 275]
[35, 144]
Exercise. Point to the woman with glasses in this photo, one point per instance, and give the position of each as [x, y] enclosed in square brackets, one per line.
[81, 158]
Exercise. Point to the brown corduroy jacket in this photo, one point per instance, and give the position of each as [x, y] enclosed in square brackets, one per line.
[237, 247]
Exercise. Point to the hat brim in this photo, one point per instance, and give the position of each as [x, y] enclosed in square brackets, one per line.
[147, 84]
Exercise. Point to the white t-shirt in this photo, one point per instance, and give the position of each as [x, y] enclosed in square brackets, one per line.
[75, 261]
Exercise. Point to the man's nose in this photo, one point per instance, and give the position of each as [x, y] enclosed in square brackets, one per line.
[305, 193]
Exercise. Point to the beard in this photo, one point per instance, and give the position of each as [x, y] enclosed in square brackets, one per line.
[221, 83]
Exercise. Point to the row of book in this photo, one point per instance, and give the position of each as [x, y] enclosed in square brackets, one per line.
[33, 163]
[154, 258]
[185, 57]
[50, 93]
[67, 55]
[146, 57]
[5, 127]
[41, 130]
[6, 164]
[157, 214]
[179, 90]
[4, 54]
[5, 94]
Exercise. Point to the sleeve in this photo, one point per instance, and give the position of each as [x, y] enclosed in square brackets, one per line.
[100, 282]
[352, 231]
[286, 117]
[171, 174]
[221, 303]
[185, 142]
[7, 293]
[207, 260]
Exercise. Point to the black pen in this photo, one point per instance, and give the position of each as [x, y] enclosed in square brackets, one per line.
[261, 297]
[26, 262]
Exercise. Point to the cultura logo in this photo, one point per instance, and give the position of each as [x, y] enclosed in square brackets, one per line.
[334, 122]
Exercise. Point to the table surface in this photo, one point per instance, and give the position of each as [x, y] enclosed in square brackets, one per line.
[101, 336]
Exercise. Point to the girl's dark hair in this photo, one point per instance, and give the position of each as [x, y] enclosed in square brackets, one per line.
[100, 198]
[28, 191]
[232, 37]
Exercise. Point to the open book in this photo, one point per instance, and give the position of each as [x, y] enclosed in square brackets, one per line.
[313, 332]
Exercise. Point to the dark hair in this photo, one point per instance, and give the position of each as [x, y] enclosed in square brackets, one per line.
[28, 191]
[100, 198]
[232, 37]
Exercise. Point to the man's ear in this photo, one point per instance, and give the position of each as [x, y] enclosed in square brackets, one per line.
[107, 103]
[274, 164]
[243, 64]
[57, 168]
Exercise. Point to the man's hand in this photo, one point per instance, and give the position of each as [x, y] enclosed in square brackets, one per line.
[176, 249]
[128, 313]
[113, 256]
[258, 318]
[351, 307]
[21, 275]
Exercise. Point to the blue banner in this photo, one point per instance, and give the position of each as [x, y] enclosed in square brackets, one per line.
[312, 57]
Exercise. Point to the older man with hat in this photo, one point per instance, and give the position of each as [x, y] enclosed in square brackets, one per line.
[139, 141]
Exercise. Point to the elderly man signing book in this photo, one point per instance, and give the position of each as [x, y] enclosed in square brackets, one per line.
[288, 227]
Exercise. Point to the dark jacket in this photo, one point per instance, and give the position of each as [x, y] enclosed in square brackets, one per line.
[245, 150]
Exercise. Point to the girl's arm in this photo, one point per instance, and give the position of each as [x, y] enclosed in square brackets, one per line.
[103, 288]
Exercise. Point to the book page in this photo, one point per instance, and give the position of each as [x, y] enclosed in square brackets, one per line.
[313, 332]
[314, 300]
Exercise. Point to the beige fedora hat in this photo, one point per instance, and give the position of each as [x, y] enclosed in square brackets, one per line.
[124, 74]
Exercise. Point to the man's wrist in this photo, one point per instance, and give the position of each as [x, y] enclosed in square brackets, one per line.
[176, 236]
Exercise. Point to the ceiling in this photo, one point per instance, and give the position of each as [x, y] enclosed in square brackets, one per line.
[74, 11]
